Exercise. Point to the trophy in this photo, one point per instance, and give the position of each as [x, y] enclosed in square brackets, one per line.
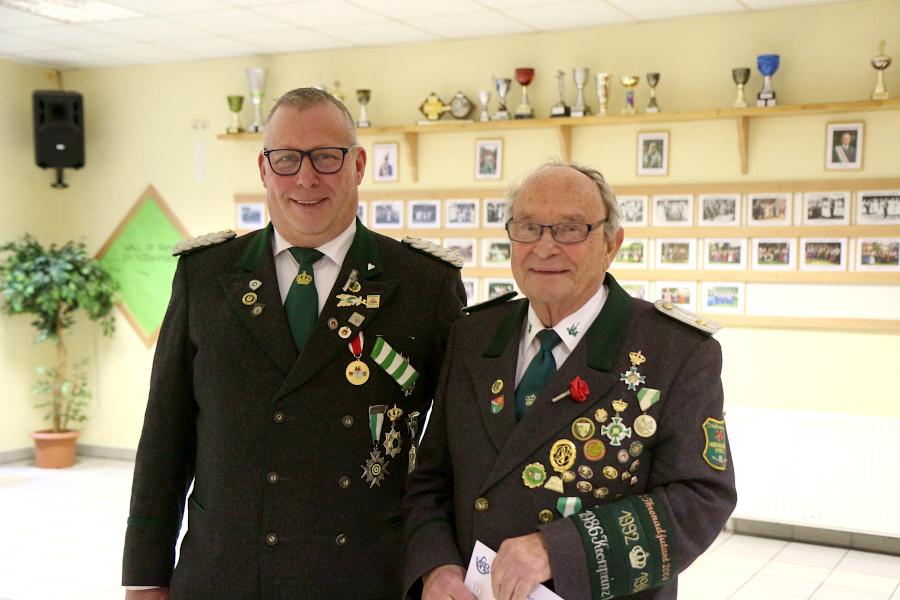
[337, 93]
[524, 75]
[767, 65]
[560, 109]
[484, 96]
[433, 108]
[502, 85]
[363, 97]
[652, 80]
[256, 79]
[580, 74]
[741, 76]
[602, 92]
[235, 104]
[629, 82]
[460, 106]
[880, 62]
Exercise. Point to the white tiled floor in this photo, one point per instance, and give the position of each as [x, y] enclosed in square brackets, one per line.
[61, 539]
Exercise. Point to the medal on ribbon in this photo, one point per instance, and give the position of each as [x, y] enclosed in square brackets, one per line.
[645, 425]
[394, 365]
[568, 505]
[412, 423]
[357, 372]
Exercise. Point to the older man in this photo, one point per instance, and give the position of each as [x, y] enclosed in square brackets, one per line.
[579, 431]
[291, 369]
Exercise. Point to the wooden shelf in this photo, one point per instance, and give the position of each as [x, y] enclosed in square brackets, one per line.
[563, 125]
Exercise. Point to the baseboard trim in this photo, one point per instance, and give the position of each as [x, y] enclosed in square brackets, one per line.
[17, 455]
[814, 535]
[106, 452]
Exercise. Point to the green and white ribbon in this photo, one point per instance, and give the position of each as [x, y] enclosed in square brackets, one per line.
[394, 364]
[376, 420]
[647, 397]
[568, 505]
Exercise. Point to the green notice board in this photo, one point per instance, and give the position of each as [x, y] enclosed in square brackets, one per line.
[139, 256]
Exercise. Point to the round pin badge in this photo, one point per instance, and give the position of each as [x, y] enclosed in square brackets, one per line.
[568, 477]
[610, 472]
[594, 450]
[635, 449]
[497, 386]
[357, 372]
[645, 425]
[332, 323]
[635, 466]
[584, 486]
[600, 415]
[354, 286]
[622, 455]
[257, 310]
[586, 472]
[562, 455]
[344, 332]
[249, 298]
[583, 429]
[545, 516]
[601, 492]
[254, 284]
[534, 475]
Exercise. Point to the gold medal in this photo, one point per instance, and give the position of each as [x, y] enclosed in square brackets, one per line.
[392, 442]
[357, 372]
[562, 455]
[249, 298]
[594, 450]
[583, 429]
[534, 475]
[601, 492]
[645, 425]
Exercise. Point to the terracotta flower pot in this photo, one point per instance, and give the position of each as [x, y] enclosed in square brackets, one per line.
[54, 450]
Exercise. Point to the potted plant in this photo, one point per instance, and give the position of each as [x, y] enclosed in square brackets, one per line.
[52, 284]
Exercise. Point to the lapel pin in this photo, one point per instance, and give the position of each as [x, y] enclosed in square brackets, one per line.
[249, 298]
[257, 310]
[254, 284]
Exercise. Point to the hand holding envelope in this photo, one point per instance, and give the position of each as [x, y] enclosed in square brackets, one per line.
[478, 576]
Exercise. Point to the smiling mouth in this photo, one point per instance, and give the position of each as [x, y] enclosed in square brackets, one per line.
[307, 202]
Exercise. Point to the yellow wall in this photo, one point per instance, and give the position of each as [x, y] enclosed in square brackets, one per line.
[140, 130]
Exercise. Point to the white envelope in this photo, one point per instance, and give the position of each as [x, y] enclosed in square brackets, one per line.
[478, 577]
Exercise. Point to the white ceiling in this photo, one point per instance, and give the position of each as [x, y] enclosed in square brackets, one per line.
[173, 30]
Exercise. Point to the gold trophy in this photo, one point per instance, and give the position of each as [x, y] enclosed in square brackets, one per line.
[235, 104]
[880, 62]
[629, 82]
[741, 76]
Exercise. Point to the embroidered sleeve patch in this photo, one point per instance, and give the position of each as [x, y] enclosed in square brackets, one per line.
[715, 453]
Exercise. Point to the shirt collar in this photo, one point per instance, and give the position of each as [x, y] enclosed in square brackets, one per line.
[572, 328]
[335, 249]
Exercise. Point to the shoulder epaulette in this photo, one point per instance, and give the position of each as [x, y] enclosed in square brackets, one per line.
[493, 301]
[707, 326]
[431, 249]
[202, 241]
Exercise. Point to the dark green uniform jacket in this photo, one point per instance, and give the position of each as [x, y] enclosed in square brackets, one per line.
[620, 512]
[277, 445]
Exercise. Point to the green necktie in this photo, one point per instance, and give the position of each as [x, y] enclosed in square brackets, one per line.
[302, 302]
[539, 371]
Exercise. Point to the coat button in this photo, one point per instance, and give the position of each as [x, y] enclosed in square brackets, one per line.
[341, 539]
[279, 416]
[273, 477]
[482, 504]
[344, 482]
[347, 421]
[271, 539]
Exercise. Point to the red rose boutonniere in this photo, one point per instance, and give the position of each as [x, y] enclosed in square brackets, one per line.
[578, 389]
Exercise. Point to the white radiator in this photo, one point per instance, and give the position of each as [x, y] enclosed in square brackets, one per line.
[823, 470]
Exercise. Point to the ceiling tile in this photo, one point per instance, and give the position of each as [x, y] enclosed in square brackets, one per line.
[515, 4]
[385, 33]
[417, 9]
[142, 53]
[471, 25]
[147, 29]
[776, 4]
[298, 40]
[649, 10]
[231, 21]
[75, 36]
[169, 7]
[215, 47]
[67, 58]
[319, 13]
[14, 43]
[10, 19]
[580, 14]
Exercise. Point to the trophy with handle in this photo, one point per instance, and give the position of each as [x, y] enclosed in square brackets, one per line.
[256, 80]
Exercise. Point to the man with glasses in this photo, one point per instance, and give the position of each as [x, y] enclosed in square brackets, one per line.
[579, 432]
[293, 370]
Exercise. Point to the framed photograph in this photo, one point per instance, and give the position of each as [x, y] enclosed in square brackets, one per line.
[878, 254]
[636, 289]
[843, 146]
[774, 254]
[465, 247]
[823, 254]
[424, 214]
[673, 211]
[387, 214]
[488, 159]
[826, 208]
[879, 207]
[725, 254]
[496, 212]
[250, 216]
[653, 153]
[678, 292]
[769, 208]
[361, 210]
[632, 254]
[495, 252]
[722, 297]
[494, 287]
[633, 210]
[462, 213]
[720, 209]
[676, 253]
[384, 162]
[471, 286]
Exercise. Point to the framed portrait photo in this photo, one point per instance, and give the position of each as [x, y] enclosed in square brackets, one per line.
[636, 288]
[843, 146]
[387, 214]
[676, 253]
[461, 213]
[722, 297]
[878, 207]
[774, 254]
[878, 254]
[494, 287]
[488, 159]
[495, 252]
[250, 216]
[424, 214]
[471, 286]
[823, 254]
[673, 211]
[465, 247]
[632, 210]
[725, 254]
[496, 212]
[826, 208]
[769, 208]
[719, 210]
[653, 153]
[385, 165]
[632, 254]
[361, 211]
[682, 293]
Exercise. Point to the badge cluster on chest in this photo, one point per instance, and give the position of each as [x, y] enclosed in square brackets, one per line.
[376, 466]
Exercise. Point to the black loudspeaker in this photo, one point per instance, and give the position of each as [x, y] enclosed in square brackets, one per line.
[58, 129]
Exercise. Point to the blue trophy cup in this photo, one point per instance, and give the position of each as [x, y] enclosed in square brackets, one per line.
[767, 65]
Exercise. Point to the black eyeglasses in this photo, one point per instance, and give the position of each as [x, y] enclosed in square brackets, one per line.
[326, 161]
[563, 233]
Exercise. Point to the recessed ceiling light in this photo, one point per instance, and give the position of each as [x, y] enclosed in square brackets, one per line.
[72, 11]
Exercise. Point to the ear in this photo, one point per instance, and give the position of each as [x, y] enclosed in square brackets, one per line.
[613, 244]
[360, 164]
[261, 161]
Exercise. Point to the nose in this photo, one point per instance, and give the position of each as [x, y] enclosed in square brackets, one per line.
[546, 245]
[307, 175]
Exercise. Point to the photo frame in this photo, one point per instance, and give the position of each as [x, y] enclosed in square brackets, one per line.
[362, 211]
[465, 247]
[653, 153]
[636, 288]
[250, 215]
[769, 208]
[495, 252]
[471, 286]
[826, 208]
[489, 159]
[461, 213]
[878, 254]
[385, 161]
[632, 211]
[387, 214]
[844, 146]
[774, 254]
[682, 293]
[725, 254]
[719, 210]
[878, 207]
[676, 253]
[497, 286]
[722, 297]
[673, 210]
[823, 254]
[496, 212]
[632, 254]
[424, 214]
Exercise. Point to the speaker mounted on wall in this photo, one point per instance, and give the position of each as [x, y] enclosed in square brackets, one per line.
[58, 131]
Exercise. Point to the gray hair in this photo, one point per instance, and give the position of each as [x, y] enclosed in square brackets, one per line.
[606, 192]
[308, 97]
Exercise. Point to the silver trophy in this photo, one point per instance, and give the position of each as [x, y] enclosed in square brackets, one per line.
[256, 79]
[652, 81]
[560, 109]
[484, 96]
[580, 74]
[502, 85]
[740, 75]
[880, 63]
[602, 92]
[363, 97]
